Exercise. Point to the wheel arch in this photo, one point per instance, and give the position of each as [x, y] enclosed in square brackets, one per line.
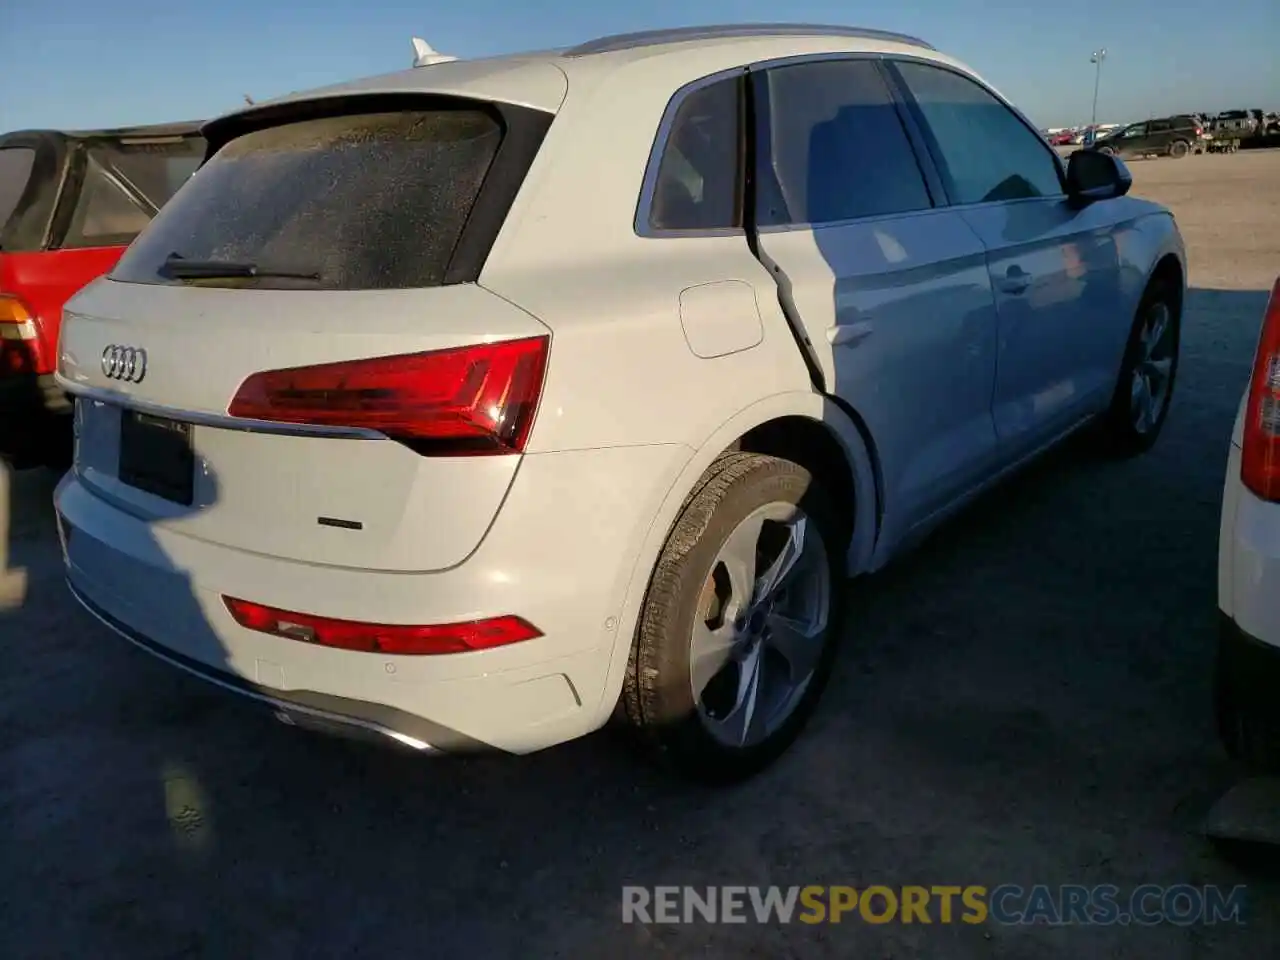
[826, 438]
[1169, 268]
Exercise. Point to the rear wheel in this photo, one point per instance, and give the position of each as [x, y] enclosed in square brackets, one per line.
[1179, 149]
[736, 636]
[1144, 388]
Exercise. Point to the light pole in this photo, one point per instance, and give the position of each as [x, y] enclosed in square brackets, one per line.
[1097, 58]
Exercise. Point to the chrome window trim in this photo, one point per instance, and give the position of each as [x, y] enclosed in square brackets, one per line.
[220, 421]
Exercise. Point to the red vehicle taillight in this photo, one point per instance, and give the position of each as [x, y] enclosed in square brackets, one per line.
[1260, 462]
[392, 640]
[17, 336]
[473, 400]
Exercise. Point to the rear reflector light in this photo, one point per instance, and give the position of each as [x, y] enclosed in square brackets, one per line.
[479, 399]
[1260, 461]
[390, 639]
[17, 321]
[17, 335]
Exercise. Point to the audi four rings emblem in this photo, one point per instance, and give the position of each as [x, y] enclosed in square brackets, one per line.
[124, 363]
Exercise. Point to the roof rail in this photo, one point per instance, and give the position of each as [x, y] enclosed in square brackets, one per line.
[648, 38]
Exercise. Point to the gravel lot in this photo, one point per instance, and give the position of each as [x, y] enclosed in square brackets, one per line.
[1024, 700]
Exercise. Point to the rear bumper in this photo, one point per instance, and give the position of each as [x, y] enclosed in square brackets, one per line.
[1248, 585]
[560, 554]
[303, 707]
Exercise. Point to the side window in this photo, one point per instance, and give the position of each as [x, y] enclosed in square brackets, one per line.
[697, 184]
[833, 147]
[1136, 130]
[155, 171]
[104, 214]
[985, 151]
[15, 171]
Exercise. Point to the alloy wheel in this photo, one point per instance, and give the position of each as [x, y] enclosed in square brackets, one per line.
[761, 625]
[1153, 371]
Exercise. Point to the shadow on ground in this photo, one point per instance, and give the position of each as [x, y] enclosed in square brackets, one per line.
[1025, 699]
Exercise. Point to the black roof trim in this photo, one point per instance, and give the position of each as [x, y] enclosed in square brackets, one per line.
[649, 38]
[179, 129]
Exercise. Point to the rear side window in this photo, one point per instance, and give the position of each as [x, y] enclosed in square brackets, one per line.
[15, 171]
[697, 186]
[353, 202]
[124, 183]
[986, 152]
[152, 169]
[834, 147]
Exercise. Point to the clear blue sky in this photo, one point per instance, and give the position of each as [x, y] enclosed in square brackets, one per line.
[84, 63]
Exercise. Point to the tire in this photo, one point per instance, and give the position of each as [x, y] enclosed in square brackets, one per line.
[691, 588]
[1179, 149]
[1119, 430]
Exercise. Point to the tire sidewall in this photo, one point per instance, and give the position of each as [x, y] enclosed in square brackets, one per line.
[1123, 437]
[665, 629]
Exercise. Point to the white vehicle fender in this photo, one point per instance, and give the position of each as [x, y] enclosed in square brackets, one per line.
[810, 405]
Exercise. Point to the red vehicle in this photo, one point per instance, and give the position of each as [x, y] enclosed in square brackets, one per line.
[1063, 138]
[70, 203]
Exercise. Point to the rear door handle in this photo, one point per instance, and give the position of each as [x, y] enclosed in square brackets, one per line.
[1015, 281]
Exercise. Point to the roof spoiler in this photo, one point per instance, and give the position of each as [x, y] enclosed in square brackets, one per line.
[424, 55]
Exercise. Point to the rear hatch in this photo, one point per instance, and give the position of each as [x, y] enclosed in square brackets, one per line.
[295, 359]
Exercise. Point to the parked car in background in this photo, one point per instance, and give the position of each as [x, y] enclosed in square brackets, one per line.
[1237, 124]
[475, 404]
[1169, 136]
[70, 202]
[1248, 675]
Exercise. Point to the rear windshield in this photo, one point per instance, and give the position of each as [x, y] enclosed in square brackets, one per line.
[15, 171]
[370, 201]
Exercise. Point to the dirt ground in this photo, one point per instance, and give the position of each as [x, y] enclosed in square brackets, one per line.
[1024, 700]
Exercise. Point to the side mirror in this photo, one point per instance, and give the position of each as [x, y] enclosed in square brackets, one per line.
[1093, 176]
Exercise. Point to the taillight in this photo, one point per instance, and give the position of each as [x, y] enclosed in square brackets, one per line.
[479, 399]
[17, 336]
[389, 639]
[1260, 462]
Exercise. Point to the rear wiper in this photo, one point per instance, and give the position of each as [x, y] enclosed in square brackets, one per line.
[178, 267]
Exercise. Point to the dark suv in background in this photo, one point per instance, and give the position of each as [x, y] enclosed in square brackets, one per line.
[1169, 136]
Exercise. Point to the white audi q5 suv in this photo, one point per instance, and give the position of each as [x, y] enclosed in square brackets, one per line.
[475, 404]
